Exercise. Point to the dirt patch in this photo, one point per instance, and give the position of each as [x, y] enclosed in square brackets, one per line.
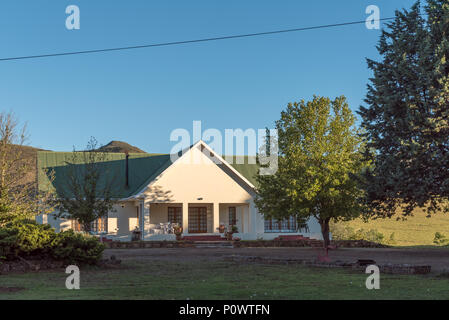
[22, 266]
[10, 289]
[357, 265]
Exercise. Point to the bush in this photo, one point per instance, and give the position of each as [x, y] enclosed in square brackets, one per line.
[344, 232]
[440, 239]
[73, 247]
[27, 238]
[8, 247]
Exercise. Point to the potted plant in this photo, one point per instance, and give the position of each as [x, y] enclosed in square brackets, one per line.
[222, 228]
[231, 231]
[177, 230]
[136, 234]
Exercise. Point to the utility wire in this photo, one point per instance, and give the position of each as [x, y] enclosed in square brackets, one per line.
[188, 41]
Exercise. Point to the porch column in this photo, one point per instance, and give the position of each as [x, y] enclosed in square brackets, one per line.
[246, 219]
[252, 217]
[215, 217]
[145, 217]
[185, 217]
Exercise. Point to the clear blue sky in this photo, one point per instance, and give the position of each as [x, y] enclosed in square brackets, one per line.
[140, 96]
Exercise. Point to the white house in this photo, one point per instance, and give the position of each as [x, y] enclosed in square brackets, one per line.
[200, 191]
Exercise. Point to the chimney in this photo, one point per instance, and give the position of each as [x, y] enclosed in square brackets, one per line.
[127, 169]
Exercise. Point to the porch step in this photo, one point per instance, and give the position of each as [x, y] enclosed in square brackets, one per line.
[213, 244]
[291, 237]
[204, 238]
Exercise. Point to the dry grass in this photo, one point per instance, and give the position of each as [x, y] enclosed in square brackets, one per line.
[415, 231]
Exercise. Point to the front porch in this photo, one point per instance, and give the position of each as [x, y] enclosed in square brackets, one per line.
[196, 219]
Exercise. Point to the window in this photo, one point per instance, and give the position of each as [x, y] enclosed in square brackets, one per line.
[175, 215]
[232, 216]
[99, 225]
[197, 220]
[286, 225]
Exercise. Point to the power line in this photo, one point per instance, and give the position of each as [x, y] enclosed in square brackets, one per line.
[188, 41]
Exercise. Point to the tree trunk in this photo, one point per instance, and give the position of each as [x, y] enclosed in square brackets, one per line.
[324, 223]
[87, 227]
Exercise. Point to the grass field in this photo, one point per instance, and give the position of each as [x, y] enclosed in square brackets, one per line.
[220, 280]
[415, 231]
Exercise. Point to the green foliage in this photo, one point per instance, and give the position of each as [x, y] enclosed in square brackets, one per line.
[88, 192]
[407, 114]
[29, 239]
[33, 237]
[73, 247]
[25, 238]
[8, 239]
[19, 197]
[341, 231]
[440, 239]
[234, 229]
[392, 239]
[319, 160]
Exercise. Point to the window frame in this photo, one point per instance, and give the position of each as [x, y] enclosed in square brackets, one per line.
[175, 216]
[102, 222]
[232, 216]
[289, 225]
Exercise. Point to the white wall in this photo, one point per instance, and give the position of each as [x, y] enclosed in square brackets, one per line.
[189, 181]
[124, 218]
[58, 224]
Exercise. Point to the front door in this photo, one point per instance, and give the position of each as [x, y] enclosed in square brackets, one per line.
[197, 220]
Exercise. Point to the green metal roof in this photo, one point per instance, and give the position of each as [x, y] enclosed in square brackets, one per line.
[143, 168]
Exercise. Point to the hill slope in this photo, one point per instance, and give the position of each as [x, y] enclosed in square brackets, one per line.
[415, 231]
[30, 154]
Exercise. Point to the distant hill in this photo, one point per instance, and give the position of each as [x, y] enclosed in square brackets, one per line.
[30, 154]
[120, 147]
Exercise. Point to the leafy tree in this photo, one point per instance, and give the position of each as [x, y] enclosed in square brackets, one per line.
[319, 158]
[87, 192]
[19, 197]
[407, 114]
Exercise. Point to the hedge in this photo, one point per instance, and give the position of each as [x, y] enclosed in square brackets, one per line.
[28, 239]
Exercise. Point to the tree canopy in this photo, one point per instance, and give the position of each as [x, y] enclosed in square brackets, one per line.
[406, 117]
[319, 160]
[88, 192]
[19, 197]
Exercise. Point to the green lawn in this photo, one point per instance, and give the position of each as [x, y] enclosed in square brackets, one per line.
[221, 280]
[415, 231]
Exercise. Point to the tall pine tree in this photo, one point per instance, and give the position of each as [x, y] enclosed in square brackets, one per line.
[407, 114]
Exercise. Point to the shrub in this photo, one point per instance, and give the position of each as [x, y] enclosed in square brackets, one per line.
[341, 232]
[33, 238]
[27, 238]
[392, 239]
[72, 247]
[344, 232]
[371, 235]
[8, 247]
[440, 239]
